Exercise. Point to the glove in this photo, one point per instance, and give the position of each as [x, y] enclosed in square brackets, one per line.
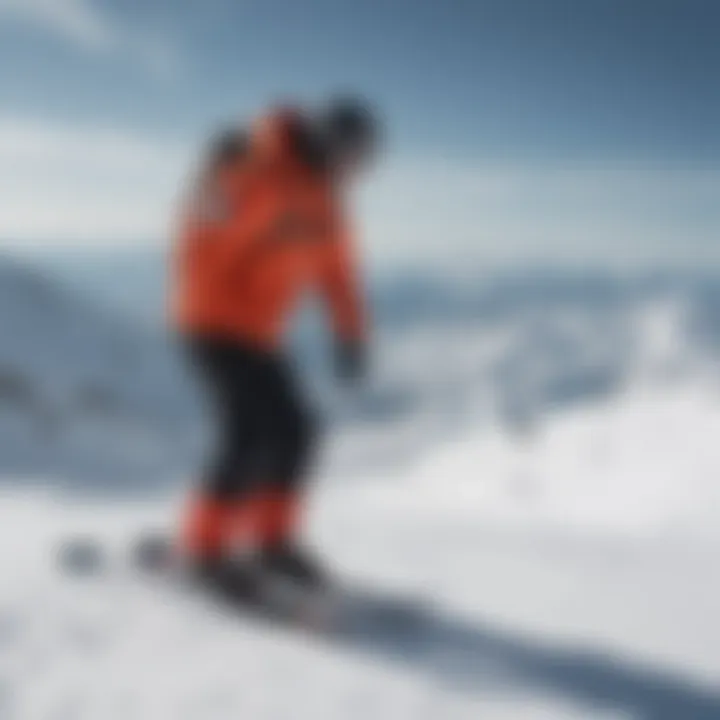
[350, 361]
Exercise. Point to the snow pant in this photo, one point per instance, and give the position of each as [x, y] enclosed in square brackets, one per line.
[264, 436]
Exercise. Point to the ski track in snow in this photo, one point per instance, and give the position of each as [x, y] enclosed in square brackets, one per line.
[542, 586]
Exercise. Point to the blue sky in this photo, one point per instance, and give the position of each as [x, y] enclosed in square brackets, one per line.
[572, 130]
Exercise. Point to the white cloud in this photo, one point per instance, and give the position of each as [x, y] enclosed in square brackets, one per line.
[76, 20]
[64, 185]
[83, 24]
[85, 186]
[441, 213]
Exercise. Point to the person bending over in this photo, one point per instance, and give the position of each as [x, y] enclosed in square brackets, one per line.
[265, 223]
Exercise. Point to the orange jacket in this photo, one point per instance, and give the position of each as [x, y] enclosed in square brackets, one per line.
[261, 233]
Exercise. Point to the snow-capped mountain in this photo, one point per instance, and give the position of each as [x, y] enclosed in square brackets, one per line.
[83, 392]
[83, 386]
[537, 342]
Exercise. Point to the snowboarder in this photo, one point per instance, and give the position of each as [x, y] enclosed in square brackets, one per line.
[265, 223]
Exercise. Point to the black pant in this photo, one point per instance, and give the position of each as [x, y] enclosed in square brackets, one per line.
[264, 432]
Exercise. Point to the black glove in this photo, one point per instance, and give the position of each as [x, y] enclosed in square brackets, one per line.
[350, 360]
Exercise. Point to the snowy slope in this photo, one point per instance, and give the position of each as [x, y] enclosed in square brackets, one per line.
[572, 577]
[644, 464]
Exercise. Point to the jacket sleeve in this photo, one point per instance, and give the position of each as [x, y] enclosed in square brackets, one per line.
[231, 225]
[341, 287]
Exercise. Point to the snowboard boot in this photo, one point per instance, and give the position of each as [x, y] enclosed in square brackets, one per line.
[234, 580]
[292, 563]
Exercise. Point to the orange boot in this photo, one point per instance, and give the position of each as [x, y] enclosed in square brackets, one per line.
[245, 523]
[278, 518]
[205, 528]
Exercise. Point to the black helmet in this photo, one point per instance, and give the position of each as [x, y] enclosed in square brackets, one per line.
[350, 129]
[227, 147]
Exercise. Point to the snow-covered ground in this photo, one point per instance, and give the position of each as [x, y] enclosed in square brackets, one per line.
[568, 574]
[533, 472]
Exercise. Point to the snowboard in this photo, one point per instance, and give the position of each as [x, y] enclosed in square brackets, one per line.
[343, 610]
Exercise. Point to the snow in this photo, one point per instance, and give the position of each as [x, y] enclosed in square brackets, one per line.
[559, 557]
[645, 464]
[568, 598]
